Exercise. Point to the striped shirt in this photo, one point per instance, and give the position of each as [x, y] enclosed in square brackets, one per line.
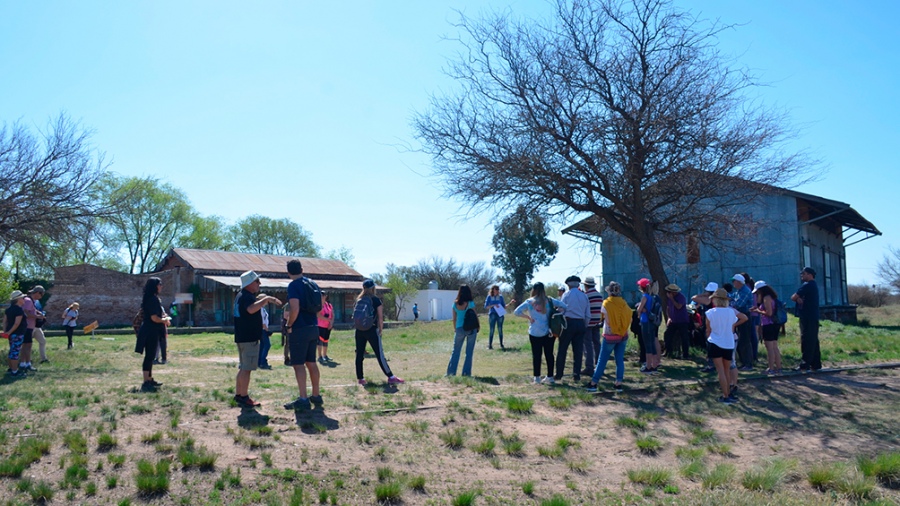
[596, 304]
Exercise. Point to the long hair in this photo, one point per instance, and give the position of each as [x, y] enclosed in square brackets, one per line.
[151, 287]
[767, 290]
[495, 287]
[539, 294]
[464, 294]
[367, 292]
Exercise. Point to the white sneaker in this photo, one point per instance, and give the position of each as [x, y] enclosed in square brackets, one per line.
[537, 380]
[548, 380]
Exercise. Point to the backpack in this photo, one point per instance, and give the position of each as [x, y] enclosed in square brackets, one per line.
[779, 315]
[654, 315]
[311, 300]
[557, 321]
[470, 321]
[364, 314]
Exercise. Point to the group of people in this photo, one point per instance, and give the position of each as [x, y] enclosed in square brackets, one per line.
[23, 325]
[730, 320]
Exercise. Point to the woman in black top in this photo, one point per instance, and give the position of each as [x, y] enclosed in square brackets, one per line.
[151, 331]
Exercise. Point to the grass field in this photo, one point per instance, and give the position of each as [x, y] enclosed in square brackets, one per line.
[78, 431]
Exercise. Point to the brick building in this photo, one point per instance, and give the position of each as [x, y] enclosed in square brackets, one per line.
[212, 277]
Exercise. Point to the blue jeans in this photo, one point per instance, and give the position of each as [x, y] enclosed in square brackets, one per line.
[469, 337]
[606, 349]
[493, 319]
[264, 346]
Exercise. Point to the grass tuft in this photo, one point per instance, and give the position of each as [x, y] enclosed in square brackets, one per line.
[649, 445]
[466, 498]
[454, 439]
[652, 476]
[518, 405]
[719, 476]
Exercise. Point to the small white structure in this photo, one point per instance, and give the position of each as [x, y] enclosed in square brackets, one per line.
[433, 304]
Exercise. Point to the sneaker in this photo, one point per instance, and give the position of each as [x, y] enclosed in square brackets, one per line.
[266, 367]
[287, 362]
[44, 360]
[155, 362]
[778, 372]
[148, 387]
[548, 380]
[576, 378]
[245, 401]
[327, 359]
[316, 400]
[29, 368]
[745, 368]
[592, 387]
[362, 382]
[155, 383]
[393, 380]
[618, 387]
[801, 368]
[490, 347]
[537, 380]
[732, 399]
[298, 404]
[162, 362]
[654, 371]
[321, 360]
[734, 391]
[18, 373]
[726, 400]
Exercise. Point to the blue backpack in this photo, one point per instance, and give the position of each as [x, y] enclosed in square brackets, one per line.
[364, 314]
[779, 315]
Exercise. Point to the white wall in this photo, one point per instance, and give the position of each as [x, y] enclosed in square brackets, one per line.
[433, 305]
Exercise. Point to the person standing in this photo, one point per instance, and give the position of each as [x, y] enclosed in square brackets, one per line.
[31, 317]
[415, 310]
[578, 314]
[617, 318]
[163, 347]
[265, 343]
[742, 300]
[368, 317]
[704, 302]
[678, 326]
[721, 325]
[70, 321]
[39, 324]
[247, 332]
[766, 303]
[464, 302]
[14, 326]
[305, 300]
[152, 330]
[496, 315]
[649, 331]
[592, 334]
[807, 300]
[326, 324]
[285, 334]
[538, 310]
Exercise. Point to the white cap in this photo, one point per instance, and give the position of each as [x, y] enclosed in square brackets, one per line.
[759, 284]
[738, 277]
[712, 286]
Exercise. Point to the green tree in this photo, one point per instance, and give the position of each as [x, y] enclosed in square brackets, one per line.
[150, 216]
[621, 110]
[268, 236]
[344, 254]
[402, 291]
[522, 246]
[206, 232]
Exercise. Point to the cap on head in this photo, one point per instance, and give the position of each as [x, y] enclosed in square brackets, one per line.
[738, 277]
[247, 278]
[589, 281]
[368, 283]
[37, 289]
[810, 271]
[673, 288]
[759, 284]
[16, 295]
[643, 282]
[712, 286]
[573, 281]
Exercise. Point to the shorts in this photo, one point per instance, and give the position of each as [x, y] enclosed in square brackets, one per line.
[770, 332]
[29, 336]
[324, 335]
[303, 343]
[249, 355]
[716, 351]
[15, 345]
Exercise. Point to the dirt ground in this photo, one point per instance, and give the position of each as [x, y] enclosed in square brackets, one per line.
[810, 418]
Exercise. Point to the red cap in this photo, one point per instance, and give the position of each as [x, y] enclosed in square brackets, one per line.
[643, 282]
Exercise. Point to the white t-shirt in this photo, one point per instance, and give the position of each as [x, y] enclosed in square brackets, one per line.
[71, 318]
[721, 322]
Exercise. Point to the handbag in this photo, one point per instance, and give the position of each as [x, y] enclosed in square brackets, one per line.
[557, 320]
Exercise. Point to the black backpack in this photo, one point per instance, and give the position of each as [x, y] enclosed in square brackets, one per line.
[311, 301]
[470, 321]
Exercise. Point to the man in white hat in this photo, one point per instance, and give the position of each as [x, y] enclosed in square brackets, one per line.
[248, 328]
[592, 336]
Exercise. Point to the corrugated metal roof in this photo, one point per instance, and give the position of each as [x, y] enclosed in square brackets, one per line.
[208, 260]
[280, 284]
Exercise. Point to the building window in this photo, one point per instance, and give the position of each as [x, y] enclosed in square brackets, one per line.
[827, 284]
[807, 258]
[845, 299]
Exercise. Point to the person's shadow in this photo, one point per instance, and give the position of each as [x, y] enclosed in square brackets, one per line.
[315, 421]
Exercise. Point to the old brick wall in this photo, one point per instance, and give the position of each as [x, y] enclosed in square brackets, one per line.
[110, 297]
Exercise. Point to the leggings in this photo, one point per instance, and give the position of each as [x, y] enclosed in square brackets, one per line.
[370, 336]
[150, 344]
[541, 346]
[69, 332]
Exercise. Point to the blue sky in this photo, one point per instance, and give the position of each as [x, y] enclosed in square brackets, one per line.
[300, 109]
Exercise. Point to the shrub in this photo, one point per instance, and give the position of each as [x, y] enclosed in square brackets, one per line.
[106, 442]
[528, 487]
[885, 467]
[152, 479]
[417, 483]
[719, 476]
[454, 439]
[649, 445]
[388, 493]
[768, 477]
[466, 498]
[518, 405]
[653, 476]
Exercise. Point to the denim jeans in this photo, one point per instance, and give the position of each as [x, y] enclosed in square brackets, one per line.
[606, 349]
[469, 338]
[591, 347]
[265, 344]
[493, 319]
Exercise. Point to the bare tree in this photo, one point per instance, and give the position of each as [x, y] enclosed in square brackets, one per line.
[46, 183]
[625, 110]
[889, 269]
